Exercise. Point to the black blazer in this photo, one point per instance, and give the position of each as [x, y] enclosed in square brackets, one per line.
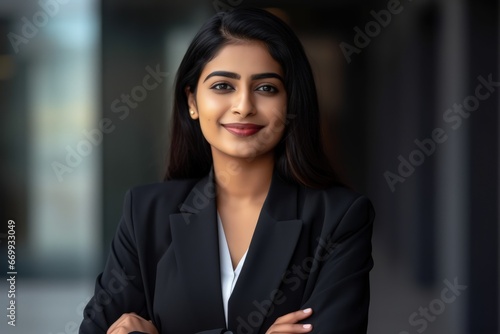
[310, 248]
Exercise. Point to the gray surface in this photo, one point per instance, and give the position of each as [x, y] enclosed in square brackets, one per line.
[46, 307]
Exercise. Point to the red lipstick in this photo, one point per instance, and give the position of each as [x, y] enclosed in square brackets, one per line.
[242, 129]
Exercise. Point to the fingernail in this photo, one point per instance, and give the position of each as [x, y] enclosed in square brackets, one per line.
[307, 326]
[308, 310]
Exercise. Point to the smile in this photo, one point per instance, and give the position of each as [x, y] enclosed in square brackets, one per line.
[242, 129]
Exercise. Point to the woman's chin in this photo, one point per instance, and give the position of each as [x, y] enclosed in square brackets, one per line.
[243, 154]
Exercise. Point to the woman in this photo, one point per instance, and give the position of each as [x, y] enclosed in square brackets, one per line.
[251, 232]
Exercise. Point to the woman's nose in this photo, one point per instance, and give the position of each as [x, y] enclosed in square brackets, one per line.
[243, 104]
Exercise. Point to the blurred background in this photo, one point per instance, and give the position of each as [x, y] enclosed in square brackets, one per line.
[409, 92]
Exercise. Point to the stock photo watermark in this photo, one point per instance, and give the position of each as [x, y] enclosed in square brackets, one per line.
[115, 285]
[425, 315]
[31, 26]
[94, 137]
[11, 271]
[222, 7]
[453, 119]
[297, 274]
[372, 29]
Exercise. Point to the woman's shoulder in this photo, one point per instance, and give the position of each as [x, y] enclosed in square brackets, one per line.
[160, 187]
[342, 209]
[337, 203]
[161, 193]
[337, 195]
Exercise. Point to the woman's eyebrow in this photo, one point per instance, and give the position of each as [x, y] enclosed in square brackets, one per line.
[233, 75]
[266, 76]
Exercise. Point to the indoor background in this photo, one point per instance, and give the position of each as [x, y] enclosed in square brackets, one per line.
[409, 93]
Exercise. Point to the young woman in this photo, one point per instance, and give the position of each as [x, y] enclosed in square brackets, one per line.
[250, 232]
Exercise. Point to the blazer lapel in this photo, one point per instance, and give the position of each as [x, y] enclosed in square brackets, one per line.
[195, 241]
[273, 243]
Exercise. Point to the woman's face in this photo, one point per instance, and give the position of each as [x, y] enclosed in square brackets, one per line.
[240, 101]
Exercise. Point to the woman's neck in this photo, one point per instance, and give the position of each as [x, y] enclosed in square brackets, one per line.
[243, 180]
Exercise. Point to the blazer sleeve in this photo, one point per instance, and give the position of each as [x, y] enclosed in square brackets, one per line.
[341, 294]
[119, 288]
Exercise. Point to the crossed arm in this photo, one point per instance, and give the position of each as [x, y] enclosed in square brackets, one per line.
[132, 323]
[337, 304]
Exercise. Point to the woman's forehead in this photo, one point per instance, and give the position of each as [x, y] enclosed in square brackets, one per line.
[246, 57]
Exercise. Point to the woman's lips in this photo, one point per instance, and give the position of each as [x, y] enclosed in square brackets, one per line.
[242, 129]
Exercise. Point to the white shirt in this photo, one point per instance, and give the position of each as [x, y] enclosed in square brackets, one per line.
[227, 274]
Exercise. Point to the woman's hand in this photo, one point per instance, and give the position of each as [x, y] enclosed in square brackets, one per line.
[287, 324]
[131, 322]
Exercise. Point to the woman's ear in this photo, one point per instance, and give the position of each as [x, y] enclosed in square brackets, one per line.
[191, 100]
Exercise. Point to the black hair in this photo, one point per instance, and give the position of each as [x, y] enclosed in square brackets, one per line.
[299, 156]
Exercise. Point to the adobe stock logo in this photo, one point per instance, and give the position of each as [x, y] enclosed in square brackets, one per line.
[453, 119]
[372, 29]
[436, 307]
[223, 7]
[122, 106]
[30, 28]
[292, 279]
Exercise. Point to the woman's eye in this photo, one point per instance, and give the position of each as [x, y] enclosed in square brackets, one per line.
[221, 86]
[267, 89]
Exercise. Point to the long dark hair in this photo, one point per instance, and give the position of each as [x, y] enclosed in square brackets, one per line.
[299, 156]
